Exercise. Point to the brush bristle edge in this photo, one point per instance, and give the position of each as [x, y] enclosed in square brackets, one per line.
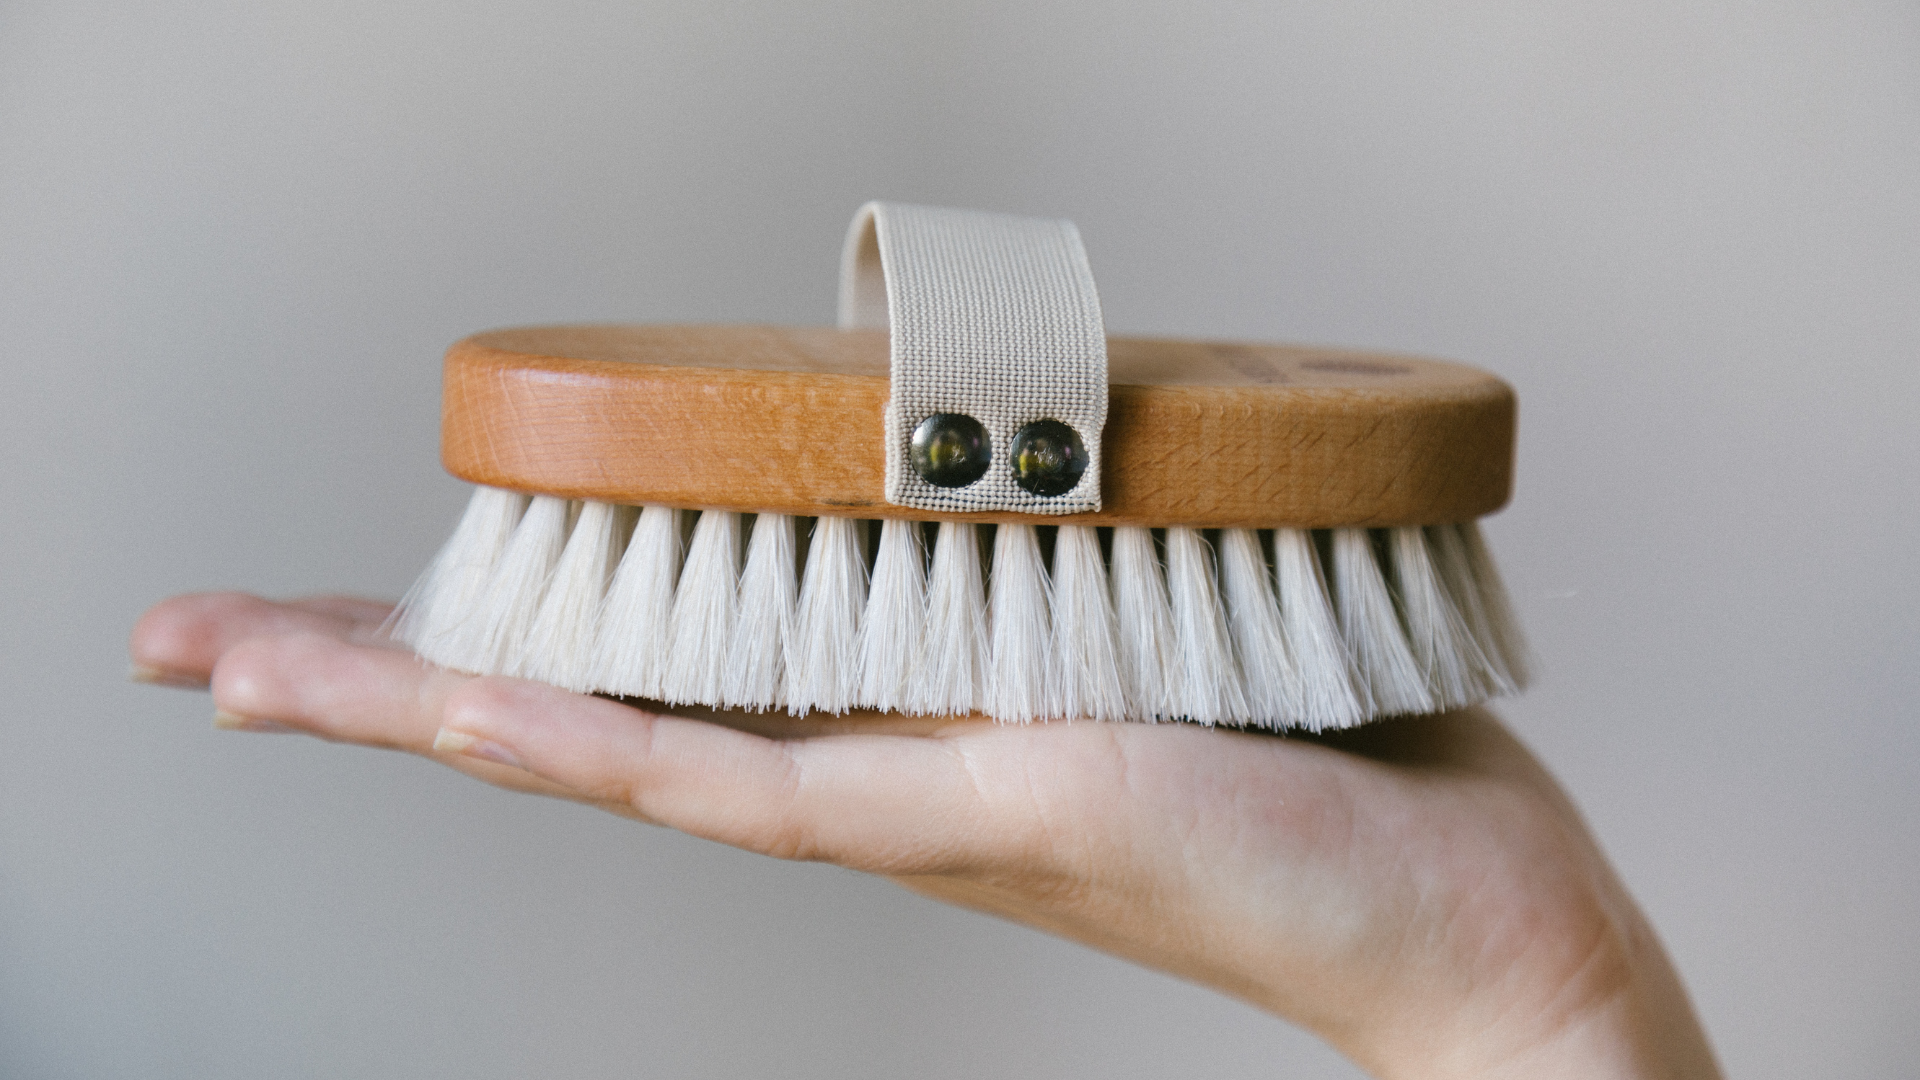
[1282, 628]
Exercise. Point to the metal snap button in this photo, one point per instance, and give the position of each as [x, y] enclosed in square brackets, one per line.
[950, 450]
[1048, 458]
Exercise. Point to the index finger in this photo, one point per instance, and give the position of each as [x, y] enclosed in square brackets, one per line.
[178, 641]
[888, 804]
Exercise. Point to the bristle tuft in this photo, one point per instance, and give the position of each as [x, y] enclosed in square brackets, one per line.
[1329, 698]
[1509, 644]
[1085, 681]
[1372, 629]
[634, 629]
[441, 607]
[559, 645]
[895, 624]
[823, 669]
[1144, 618]
[763, 628]
[953, 662]
[1018, 627]
[1253, 615]
[518, 583]
[704, 606]
[1210, 689]
[1457, 672]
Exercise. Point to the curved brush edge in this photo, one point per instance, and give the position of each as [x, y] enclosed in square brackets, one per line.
[1502, 628]
[447, 596]
[1457, 672]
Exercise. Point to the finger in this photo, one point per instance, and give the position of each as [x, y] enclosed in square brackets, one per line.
[179, 640]
[359, 609]
[318, 684]
[886, 804]
[330, 688]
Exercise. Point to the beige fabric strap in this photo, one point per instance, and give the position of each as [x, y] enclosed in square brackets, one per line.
[991, 316]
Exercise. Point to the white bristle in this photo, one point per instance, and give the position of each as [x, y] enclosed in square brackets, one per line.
[1508, 644]
[823, 668]
[1328, 696]
[756, 655]
[448, 596]
[1209, 689]
[895, 624]
[953, 662]
[635, 624]
[1457, 672]
[1085, 680]
[559, 645]
[703, 612]
[1319, 633]
[1144, 621]
[1272, 678]
[518, 583]
[1017, 627]
[1372, 630]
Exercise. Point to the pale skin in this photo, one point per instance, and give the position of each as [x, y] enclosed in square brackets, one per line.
[1419, 892]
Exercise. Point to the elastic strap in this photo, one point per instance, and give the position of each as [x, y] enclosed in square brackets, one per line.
[992, 317]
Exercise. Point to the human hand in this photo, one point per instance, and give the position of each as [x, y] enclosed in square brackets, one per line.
[1418, 892]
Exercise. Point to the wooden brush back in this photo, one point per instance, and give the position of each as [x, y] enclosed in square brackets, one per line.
[788, 420]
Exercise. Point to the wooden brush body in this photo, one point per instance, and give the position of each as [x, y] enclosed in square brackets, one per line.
[782, 420]
[697, 514]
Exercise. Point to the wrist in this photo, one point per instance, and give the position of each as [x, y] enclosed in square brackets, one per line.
[1642, 1028]
[1630, 1039]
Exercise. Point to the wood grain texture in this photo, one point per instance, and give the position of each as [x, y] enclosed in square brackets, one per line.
[775, 419]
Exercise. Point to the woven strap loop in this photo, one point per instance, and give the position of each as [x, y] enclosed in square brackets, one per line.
[990, 316]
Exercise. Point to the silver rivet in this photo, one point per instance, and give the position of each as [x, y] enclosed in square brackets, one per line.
[1048, 458]
[950, 450]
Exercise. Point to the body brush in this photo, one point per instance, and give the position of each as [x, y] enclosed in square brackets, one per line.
[968, 499]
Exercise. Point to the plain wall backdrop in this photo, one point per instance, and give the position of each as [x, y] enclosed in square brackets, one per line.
[235, 237]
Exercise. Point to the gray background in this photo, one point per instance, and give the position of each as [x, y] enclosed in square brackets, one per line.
[235, 237]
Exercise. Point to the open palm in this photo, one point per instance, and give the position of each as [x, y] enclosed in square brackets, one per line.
[1418, 892]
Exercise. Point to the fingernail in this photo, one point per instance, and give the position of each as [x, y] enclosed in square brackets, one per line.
[154, 676]
[449, 741]
[227, 721]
